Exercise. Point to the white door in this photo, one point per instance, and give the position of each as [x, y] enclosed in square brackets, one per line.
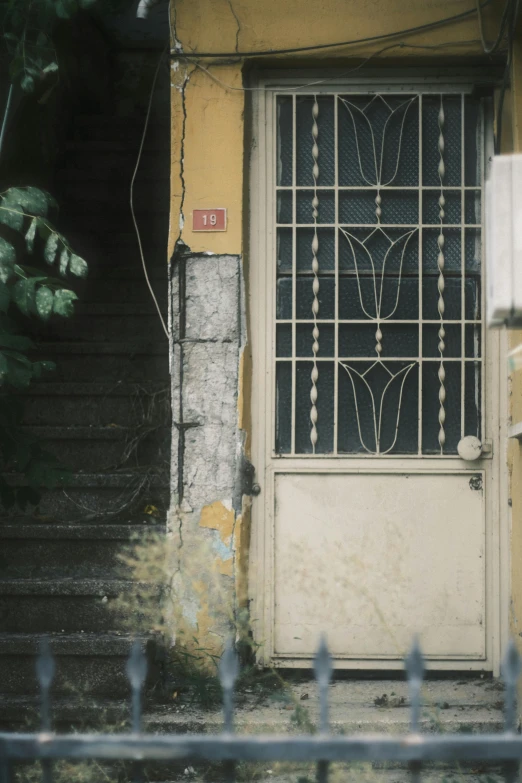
[372, 369]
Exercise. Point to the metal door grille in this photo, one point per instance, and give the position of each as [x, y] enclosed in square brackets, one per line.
[378, 213]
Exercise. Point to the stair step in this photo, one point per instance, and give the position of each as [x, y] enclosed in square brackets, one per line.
[80, 432]
[121, 243]
[82, 551]
[86, 389]
[117, 309]
[117, 132]
[116, 643]
[85, 449]
[136, 348]
[35, 521]
[107, 361]
[116, 289]
[124, 405]
[120, 121]
[72, 532]
[75, 221]
[116, 254]
[130, 266]
[94, 480]
[103, 165]
[111, 246]
[95, 146]
[66, 586]
[116, 169]
[89, 197]
[100, 327]
[95, 497]
[23, 713]
[67, 605]
[153, 206]
[93, 664]
[97, 321]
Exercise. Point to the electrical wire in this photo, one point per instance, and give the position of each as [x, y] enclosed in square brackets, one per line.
[6, 115]
[502, 28]
[136, 228]
[401, 45]
[316, 47]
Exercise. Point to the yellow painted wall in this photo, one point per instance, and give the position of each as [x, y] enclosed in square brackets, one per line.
[209, 152]
[209, 116]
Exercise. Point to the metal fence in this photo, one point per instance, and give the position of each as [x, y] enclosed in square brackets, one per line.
[323, 747]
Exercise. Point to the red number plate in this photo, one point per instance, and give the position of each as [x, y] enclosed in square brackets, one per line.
[209, 219]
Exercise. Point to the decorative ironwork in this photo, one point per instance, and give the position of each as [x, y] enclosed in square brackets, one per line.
[376, 160]
[373, 309]
[415, 748]
[391, 219]
[440, 283]
[315, 270]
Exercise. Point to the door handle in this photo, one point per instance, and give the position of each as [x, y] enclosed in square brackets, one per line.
[470, 448]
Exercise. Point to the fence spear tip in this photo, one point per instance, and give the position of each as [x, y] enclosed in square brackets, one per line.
[136, 665]
[323, 662]
[228, 666]
[45, 664]
[415, 667]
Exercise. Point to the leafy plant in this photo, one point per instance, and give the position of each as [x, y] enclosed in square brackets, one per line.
[26, 230]
[27, 27]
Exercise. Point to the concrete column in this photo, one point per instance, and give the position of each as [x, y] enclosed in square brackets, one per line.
[210, 474]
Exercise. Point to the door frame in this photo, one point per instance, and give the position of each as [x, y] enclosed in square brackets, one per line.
[261, 302]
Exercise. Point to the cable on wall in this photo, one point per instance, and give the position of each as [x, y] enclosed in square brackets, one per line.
[502, 28]
[176, 55]
[377, 53]
[131, 194]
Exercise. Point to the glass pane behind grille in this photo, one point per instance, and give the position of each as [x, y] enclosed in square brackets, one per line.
[378, 274]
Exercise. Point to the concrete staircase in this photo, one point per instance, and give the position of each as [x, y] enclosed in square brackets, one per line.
[105, 413]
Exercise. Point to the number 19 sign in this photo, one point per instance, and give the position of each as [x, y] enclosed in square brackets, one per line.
[209, 219]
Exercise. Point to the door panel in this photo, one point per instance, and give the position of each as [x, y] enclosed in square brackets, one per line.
[367, 557]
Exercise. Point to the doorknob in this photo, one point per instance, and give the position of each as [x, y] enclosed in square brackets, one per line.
[469, 448]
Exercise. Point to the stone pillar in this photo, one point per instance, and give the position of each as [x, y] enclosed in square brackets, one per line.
[210, 474]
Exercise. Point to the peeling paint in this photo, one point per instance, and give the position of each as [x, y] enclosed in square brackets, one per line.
[219, 516]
